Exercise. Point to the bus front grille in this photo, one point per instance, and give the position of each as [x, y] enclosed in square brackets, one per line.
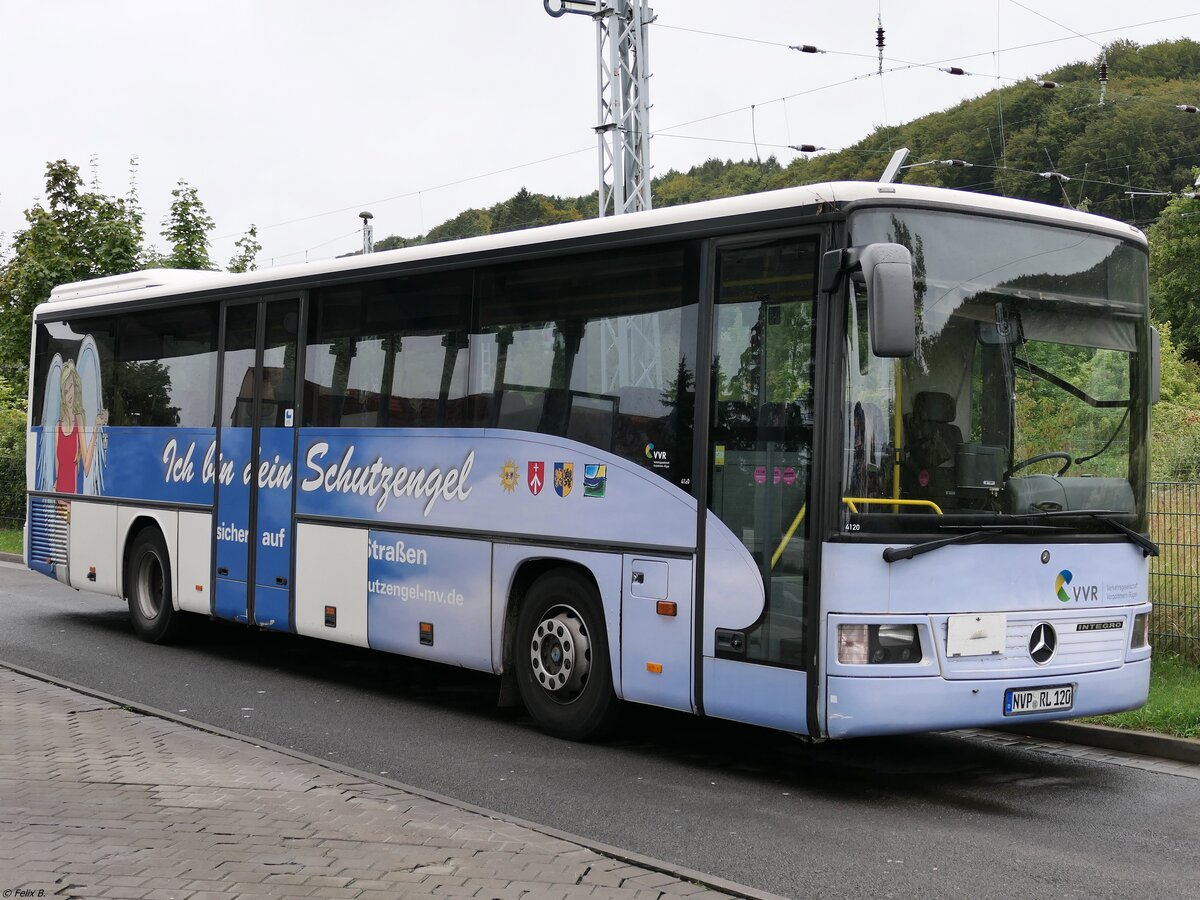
[1086, 640]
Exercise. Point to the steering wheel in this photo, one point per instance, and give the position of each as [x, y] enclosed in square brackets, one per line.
[1057, 454]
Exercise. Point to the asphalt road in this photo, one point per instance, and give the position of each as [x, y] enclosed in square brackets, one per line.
[925, 815]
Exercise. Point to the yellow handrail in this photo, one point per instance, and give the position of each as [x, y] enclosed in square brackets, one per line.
[890, 501]
[787, 538]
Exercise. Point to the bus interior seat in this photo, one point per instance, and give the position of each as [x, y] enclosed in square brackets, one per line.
[520, 408]
[591, 419]
[932, 439]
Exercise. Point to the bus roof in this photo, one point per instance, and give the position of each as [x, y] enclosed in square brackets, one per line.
[156, 283]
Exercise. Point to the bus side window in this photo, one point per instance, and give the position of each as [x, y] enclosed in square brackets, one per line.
[597, 348]
[389, 353]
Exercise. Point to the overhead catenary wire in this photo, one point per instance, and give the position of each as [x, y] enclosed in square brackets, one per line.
[932, 63]
[902, 66]
[1056, 22]
[812, 148]
[1007, 123]
[782, 44]
[999, 94]
[660, 25]
[308, 250]
[419, 191]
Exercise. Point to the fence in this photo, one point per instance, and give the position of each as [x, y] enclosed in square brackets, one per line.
[1175, 573]
[12, 492]
[1174, 576]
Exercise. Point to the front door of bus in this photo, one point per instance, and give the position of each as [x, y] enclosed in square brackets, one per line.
[759, 464]
[256, 448]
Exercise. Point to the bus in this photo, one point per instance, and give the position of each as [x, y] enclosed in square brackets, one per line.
[845, 459]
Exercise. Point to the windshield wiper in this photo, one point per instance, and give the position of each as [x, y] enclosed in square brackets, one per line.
[891, 554]
[1149, 548]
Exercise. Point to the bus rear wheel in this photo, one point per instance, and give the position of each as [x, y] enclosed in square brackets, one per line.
[148, 589]
[564, 671]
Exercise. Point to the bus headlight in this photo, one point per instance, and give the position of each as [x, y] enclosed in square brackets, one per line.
[1141, 631]
[878, 644]
[853, 647]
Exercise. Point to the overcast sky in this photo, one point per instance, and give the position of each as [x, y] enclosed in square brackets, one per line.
[296, 114]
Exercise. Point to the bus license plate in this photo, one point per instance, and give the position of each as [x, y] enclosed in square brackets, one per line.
[1039, 699]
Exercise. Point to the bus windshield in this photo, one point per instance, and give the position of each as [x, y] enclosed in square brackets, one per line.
[1027, 394]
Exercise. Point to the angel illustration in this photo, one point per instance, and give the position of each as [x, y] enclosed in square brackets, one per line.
[73, 450]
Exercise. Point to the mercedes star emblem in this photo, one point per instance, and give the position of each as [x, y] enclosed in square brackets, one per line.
[1042, 643]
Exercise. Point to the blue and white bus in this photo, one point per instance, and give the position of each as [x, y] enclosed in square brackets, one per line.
[841, 460]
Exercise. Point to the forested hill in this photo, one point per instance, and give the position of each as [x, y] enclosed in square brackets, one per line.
[1138, 139]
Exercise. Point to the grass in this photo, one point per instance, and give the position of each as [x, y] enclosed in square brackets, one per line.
[10, 540]
[1174, 704]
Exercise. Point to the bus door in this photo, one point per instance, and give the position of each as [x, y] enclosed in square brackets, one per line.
[759, 466]
[256, 447]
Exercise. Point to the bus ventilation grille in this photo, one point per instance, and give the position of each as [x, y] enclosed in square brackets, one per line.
[47, 533]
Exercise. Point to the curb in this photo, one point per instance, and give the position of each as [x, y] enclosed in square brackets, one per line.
[626, 856]
[12, 557]
[1143, 743]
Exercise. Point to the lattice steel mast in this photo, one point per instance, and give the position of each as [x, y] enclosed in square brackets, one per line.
[622, 98]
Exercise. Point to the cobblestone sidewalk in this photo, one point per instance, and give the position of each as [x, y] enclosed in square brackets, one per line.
[99, 801]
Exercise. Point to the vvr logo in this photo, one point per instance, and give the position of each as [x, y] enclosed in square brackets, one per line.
[1080, 594]
[1060, 583]
[658, 456]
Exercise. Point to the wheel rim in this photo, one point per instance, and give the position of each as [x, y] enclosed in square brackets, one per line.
[561, 654]
[150, 585]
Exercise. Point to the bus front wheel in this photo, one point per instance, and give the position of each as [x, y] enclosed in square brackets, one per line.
[563, 667]
[148, 589]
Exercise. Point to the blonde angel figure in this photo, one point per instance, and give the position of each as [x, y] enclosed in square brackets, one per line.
[74, 450]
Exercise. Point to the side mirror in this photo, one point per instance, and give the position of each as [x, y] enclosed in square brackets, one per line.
[1155, 365]
[891, 298]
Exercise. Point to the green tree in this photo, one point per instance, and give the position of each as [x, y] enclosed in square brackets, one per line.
[1175, 420]
[522, 210]
[75, 235]
[247, 248]
[186, 228]
[469, 223]
[12, 421]
[1175, 272]
[392, 242]
[142, 394]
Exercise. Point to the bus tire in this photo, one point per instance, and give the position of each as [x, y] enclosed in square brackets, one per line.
[563, 667]
[148, 589]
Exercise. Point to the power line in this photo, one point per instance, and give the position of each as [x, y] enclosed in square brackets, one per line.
[308, 250]
[661, 133]
[935, 63]
[1054, 22]
[414, 193]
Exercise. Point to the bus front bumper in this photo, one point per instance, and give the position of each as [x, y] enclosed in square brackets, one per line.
[858, 707]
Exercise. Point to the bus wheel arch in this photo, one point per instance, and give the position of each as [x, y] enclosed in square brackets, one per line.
[147, 583]
[557, 650]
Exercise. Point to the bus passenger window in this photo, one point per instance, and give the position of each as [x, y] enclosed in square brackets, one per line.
[389, 353]
[597, 348]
